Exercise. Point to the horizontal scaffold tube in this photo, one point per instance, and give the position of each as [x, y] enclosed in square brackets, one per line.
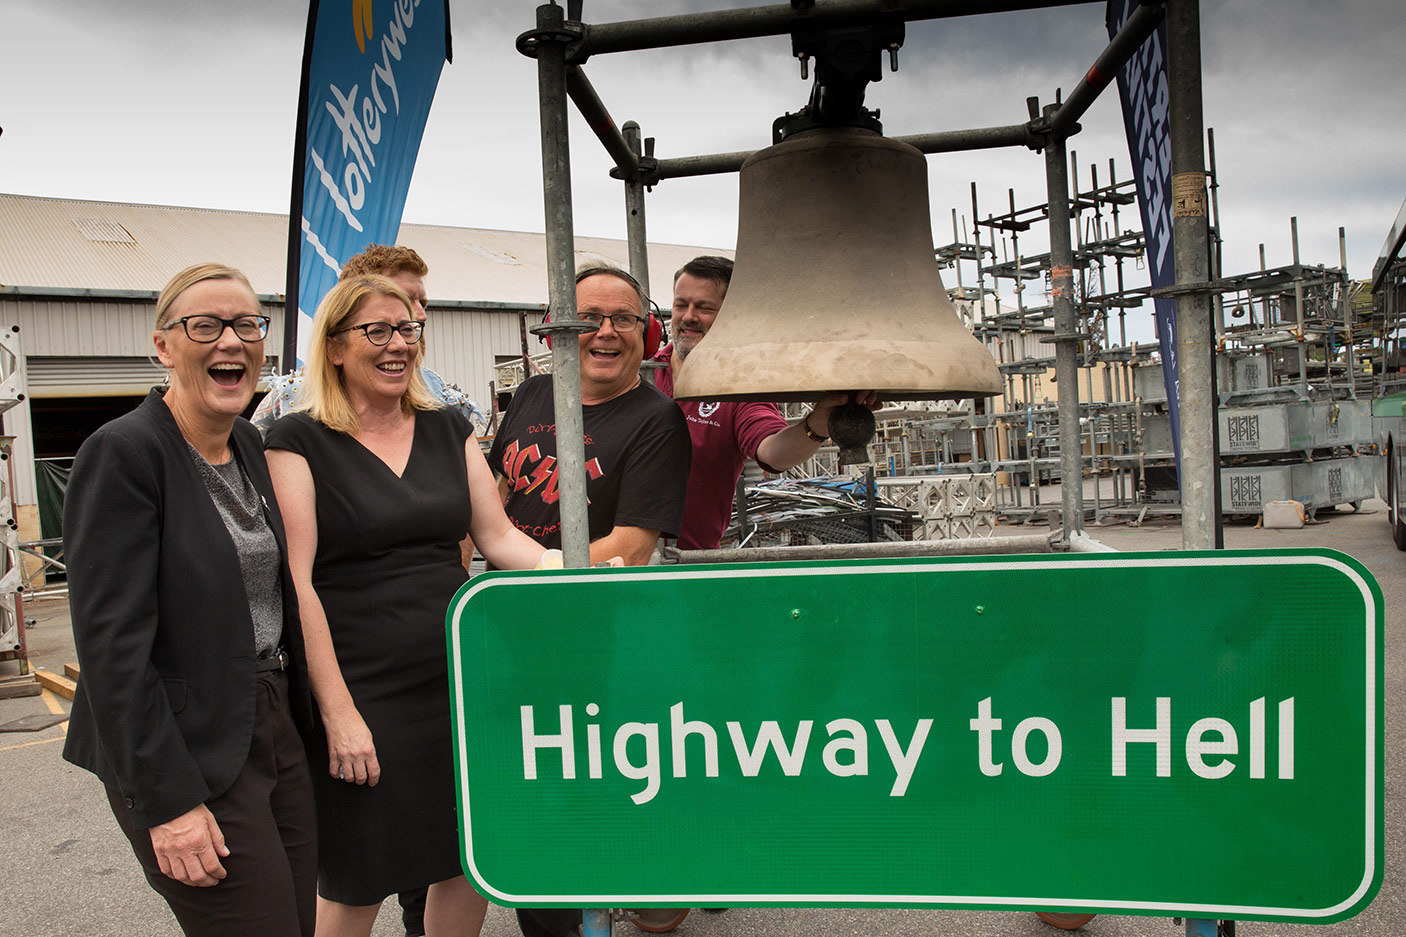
[1024, 543]
[775, 20]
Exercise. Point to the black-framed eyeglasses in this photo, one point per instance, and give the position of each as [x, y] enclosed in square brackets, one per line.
[207, 329]
[379, 333]
[620, 322]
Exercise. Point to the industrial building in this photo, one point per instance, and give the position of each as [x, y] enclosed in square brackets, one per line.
[80, 279]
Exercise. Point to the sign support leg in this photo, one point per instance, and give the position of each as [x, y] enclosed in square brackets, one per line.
[595, 922]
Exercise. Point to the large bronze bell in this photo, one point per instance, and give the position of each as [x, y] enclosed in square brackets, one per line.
[835, 285]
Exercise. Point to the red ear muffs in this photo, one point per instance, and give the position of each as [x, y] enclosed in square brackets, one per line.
[653, 332]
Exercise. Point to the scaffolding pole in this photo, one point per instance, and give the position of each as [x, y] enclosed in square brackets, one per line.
[1066, 337]
[560, 242]
[1200, 464]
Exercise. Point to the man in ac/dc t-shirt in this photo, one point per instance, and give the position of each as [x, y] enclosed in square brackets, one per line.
[637, 445]
[637, 455]
[727, 433]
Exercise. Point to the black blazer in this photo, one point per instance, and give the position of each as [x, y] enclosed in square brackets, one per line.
[165, 705]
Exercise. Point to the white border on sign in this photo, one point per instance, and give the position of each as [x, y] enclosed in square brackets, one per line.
[731, 899]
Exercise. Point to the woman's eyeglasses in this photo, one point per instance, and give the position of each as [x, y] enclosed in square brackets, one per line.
[206, 329]
[379, 333]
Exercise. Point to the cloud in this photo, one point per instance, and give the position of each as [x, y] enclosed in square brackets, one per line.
[193, 103]
[168, 25]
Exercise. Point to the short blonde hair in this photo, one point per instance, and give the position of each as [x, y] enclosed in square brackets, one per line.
[192, 275]
[325, 396]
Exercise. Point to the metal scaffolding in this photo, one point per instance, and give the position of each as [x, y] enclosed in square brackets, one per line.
[12, 626]
[561, 43]
[1286, 339]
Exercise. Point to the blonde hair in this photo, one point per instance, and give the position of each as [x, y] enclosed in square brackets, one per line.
[325, 397]
[190, 276]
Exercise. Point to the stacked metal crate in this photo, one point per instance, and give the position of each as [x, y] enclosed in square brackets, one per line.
[957, 507]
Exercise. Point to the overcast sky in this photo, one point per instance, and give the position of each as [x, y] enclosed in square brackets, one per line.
[193, 102]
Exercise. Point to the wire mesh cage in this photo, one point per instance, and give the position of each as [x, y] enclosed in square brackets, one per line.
[807, 512]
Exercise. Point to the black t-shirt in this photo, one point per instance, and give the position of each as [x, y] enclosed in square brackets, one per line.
[637, 457]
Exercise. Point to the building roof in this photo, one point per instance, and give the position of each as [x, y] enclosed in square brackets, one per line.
[68, 244]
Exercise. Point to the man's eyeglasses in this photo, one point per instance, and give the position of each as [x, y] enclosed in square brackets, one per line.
[379, 333]
[621, 322]
[206, 329]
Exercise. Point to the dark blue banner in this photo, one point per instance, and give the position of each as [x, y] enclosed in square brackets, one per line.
[369, 75]
[1143, 89]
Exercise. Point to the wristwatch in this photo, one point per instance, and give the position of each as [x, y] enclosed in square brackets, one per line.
[811, 434]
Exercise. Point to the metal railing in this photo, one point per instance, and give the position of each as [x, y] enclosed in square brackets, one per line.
[34, 583]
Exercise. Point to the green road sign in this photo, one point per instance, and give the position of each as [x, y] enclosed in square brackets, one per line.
[1193, 734]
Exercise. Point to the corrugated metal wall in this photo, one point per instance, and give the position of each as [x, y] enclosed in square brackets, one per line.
[81, 327]
[76, 347]
[97, 376]
[461, 346]
[91, 377]
[78, 327]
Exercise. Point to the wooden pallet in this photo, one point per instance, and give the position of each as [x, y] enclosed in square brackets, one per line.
[56, 683]
[21, 685]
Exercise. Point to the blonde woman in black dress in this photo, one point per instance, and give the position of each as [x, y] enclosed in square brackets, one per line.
[379, 484]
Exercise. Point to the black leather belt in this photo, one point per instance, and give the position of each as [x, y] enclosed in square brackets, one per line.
[278, 661]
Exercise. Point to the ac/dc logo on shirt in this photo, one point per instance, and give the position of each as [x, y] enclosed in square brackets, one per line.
[528, 470]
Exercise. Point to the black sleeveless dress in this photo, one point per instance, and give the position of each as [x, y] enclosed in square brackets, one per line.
[387, 565]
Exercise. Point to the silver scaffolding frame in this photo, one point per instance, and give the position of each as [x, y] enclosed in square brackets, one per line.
[561, 42]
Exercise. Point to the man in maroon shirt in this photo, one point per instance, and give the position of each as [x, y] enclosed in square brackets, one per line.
[727, 433]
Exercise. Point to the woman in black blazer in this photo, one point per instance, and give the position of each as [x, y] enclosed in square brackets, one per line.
[193, 692]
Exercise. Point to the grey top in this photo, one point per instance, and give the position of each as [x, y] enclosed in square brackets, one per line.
[259, 560]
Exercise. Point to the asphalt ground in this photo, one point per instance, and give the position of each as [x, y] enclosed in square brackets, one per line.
[65, 868]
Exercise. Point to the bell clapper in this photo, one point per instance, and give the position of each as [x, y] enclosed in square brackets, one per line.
[851, 428]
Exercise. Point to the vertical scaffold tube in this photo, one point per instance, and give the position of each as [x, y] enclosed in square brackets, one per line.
[1071, 444]
[566, 363]
[1200, 469]
[635, 230]
[595, 922]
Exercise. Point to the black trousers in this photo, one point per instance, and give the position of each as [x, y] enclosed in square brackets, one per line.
[412, 911]
[549, 922]
[270, 826]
